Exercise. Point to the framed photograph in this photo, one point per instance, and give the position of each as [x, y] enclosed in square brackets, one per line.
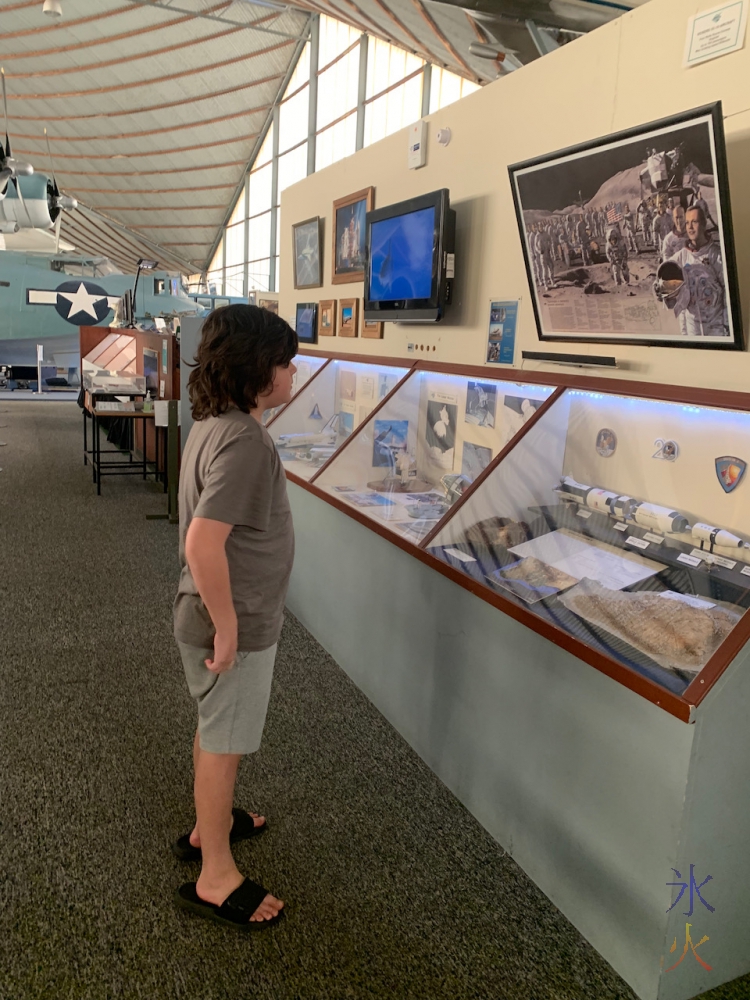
[307, 322]
[307, 246]
[349, 236]
[371, 328]
[272, 305]
[628, 239]
[348, 317]
[327, 318]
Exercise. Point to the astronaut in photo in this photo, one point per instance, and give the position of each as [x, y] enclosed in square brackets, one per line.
[691, 282]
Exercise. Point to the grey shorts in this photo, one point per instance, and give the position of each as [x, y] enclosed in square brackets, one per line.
[232, 705]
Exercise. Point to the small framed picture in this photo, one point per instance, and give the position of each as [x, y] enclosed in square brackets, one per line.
[307, 322]
[327, 318]
[349, 236]
[272, 305]
[348, 317]
[307, 240]
[373, 329]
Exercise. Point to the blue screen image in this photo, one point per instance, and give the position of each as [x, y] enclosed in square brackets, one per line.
[401, 256]
[306, 323]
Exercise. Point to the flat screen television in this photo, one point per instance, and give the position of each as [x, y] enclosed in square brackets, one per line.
[151, 368]
[410, 251]
[307, 322]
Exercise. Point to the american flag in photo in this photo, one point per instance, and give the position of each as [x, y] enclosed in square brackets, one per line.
[615, 214]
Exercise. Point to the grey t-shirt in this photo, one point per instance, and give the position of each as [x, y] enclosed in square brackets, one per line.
[231, 472]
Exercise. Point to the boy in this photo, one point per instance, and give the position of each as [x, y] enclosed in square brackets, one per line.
[236, 552]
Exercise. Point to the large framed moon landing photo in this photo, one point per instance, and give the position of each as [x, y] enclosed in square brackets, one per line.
[628, 239]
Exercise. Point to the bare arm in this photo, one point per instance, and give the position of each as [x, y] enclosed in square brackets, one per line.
[205, 551]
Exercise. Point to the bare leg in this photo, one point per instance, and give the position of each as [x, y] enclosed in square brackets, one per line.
[195, 839]
[214, 792]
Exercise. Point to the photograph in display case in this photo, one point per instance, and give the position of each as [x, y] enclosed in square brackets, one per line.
[307, 247]
[389, 436]
[628, 238]
[348, 317]
[481, 402]
[349, 230]
[441, 432]
[475, 459]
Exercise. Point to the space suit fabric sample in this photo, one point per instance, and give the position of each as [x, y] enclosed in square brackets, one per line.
[677, 635]
[531, 579]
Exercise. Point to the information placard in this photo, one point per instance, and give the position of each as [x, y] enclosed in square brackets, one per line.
[716, 32]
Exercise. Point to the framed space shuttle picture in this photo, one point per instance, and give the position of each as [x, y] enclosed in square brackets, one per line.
[307, 239]
[348, 252]
[628, 238]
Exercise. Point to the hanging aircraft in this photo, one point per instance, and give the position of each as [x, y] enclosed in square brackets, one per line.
[11, 170]
[45, 297]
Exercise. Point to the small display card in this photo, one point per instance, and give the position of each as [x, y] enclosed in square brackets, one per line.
[585, 514]
[656, 539]
[621, 526]
[683, 557]
[639, 543]
[461, 556]
[698, 553]
[745, 571]
[726, 563]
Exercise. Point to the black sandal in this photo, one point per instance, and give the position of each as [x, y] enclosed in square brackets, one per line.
[243, 828]
[236, 909]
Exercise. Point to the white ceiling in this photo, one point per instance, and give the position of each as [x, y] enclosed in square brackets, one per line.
[154, 108]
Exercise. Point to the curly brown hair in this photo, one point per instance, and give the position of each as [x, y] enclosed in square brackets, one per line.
[240, 348]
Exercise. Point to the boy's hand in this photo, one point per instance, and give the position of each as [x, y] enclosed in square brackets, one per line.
[225, 653]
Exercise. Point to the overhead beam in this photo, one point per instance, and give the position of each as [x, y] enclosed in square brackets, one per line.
[542, 39]
[259, 140]
[448, 45]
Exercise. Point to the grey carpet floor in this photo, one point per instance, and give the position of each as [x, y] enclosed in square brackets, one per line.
[392, 888]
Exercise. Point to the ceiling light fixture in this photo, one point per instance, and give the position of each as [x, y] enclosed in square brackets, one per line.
[52, 8]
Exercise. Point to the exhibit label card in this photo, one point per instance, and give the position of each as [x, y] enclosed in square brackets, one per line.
[501, 343]
[716, 32]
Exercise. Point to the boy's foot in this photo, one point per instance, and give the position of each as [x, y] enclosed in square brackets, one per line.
[244, 827]
[258, 823]
[248, 906]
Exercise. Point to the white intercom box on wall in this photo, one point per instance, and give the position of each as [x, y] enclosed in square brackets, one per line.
[417, 156]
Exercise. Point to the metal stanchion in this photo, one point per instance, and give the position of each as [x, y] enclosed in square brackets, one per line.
[173, 466]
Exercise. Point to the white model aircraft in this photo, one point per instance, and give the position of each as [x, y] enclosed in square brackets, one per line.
[324, 438]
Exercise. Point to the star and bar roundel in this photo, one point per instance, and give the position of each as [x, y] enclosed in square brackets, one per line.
[79, 302]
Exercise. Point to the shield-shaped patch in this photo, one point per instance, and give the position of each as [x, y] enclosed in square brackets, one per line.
[729, 471]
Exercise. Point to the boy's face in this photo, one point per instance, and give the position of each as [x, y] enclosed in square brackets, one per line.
[281, 388]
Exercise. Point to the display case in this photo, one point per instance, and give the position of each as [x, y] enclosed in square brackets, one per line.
[307, 365]
[333, 404]
[425, 446]
[620, 521]
[608, 516]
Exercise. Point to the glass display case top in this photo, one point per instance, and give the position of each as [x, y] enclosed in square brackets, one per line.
[621, 521]
[307, 365]
[124, 383]
[425, 446]
[331, 407]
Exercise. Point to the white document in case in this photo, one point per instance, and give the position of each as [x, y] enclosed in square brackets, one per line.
[581, 558]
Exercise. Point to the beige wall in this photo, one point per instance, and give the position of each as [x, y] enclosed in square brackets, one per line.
[622, 75]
